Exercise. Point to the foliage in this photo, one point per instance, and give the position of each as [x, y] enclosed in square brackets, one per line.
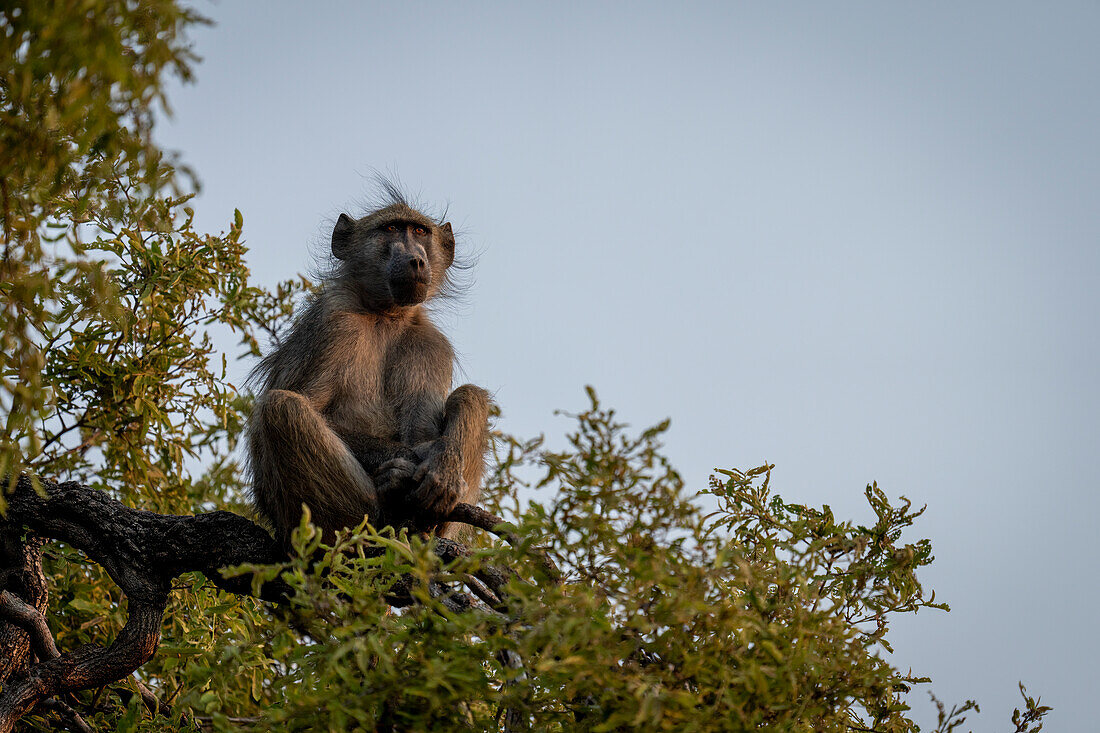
[760, 614]
[75, 100]
[106, 290]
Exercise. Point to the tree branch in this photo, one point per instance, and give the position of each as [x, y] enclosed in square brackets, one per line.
[475, 516]
[143, 552]
[89, 666]
[34, 623]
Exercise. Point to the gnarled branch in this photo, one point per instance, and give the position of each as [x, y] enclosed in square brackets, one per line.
[142, 552]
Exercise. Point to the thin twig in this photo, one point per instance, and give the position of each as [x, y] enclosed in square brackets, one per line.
[72, 719]
[482, 591]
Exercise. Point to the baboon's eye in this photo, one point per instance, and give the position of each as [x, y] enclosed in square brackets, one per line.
[391, 227]
[421, 231]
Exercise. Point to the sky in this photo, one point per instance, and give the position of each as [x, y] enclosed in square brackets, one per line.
[857, 240]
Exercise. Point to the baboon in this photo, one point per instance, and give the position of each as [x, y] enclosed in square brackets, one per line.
[353, 415]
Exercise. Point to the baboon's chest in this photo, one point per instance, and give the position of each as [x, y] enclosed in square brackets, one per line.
[359, 401]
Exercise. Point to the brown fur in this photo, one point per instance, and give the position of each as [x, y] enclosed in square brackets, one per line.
[353, 415]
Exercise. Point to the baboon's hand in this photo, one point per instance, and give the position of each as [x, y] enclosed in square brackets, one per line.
[440, 482]
[394, 475]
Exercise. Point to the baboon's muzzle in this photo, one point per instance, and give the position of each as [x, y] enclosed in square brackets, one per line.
[410, 276]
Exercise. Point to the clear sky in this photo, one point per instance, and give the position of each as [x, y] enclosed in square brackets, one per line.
[858, 240]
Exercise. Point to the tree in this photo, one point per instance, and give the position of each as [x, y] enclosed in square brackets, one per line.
[611, 602]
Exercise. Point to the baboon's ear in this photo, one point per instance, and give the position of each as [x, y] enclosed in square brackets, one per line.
[341, 237]
[448, 242]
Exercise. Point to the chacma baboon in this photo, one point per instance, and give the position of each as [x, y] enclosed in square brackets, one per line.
[353, 416]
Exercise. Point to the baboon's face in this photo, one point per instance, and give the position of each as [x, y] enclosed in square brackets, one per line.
[406, 249]
[393, 258]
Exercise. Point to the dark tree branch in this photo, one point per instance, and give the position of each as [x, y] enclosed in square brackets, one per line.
[71, 719]
[32, 621]
[475, 516]
[21, 575]
[482, 591]
[87, 667]
[152, 703]
[143, 552]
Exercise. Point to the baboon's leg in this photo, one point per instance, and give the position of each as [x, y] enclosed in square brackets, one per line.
[297, 459]
[466, 431]
[466, 425]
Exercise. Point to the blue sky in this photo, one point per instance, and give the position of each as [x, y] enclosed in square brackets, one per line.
[858, 241]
